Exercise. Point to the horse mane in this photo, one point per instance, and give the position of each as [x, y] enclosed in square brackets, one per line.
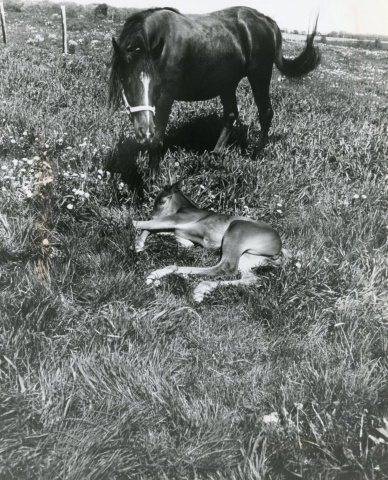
[132, 35]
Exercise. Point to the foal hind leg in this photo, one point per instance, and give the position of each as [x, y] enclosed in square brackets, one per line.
[260, 82]
[228, 265]
[247, 262]
[229, 103]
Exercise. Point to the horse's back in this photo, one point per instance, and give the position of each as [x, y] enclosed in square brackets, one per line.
[211, 53]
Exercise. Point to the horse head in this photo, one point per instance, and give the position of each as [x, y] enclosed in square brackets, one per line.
[138, 77]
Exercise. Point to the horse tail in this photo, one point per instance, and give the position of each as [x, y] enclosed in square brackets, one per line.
[304, 63]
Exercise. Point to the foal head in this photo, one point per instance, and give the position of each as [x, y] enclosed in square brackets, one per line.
[134, 76]
[170, 200]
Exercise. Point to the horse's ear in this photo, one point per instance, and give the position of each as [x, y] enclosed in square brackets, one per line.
[157, 51]
[117, 48]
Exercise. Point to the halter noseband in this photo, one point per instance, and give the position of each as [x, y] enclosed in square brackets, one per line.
[140, 108]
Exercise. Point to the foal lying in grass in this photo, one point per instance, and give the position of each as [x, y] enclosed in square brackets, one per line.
[245, 243]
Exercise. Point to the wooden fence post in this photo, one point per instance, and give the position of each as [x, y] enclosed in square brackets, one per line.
[3, 22]
[64, 29]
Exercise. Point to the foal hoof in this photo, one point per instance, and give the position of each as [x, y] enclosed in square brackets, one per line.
[204, 288]
[153, 277]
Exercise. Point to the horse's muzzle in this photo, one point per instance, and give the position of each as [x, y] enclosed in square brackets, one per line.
[144, 135]
[144, 128]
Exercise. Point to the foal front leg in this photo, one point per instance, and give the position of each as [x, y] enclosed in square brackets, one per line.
[140, 240]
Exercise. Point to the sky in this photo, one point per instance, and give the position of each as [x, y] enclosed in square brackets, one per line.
[353, 16]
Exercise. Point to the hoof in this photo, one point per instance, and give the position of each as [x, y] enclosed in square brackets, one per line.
[154, 277]
[204, 288]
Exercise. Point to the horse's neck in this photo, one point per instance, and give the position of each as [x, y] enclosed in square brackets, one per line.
[183, 201]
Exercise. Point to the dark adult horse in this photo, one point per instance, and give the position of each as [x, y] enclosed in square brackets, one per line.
[162, 56]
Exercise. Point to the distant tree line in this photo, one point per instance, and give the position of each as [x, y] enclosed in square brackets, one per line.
[341, 34]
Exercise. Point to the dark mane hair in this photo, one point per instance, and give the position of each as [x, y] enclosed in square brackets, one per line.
[133, 36]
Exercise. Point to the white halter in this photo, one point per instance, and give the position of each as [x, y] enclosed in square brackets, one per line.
[140, 108]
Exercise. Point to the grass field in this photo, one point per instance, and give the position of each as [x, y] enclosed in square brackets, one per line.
[104, 377]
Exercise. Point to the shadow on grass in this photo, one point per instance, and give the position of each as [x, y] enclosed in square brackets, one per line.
[124, 161]
[199, 135]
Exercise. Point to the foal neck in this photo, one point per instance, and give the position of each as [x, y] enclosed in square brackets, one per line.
[183, 201]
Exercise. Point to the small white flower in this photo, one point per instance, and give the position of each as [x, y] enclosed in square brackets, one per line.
[70, 206]
[271, 418]
[355, 196]
[364, 197]
[176, 164]
[30, 162]
[298, 265]
[87, 195]
[100, 172]
[82, 175]
[279, 211]
[25, 133]
[66, 174]
[4, 167]
[13, 141]
[15, 162]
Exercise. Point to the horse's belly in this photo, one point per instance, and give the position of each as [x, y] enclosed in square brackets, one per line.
[209, 82]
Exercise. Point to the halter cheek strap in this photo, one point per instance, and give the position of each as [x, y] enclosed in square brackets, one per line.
[140, 108]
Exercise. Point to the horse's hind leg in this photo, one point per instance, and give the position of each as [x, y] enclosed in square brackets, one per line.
[260, 82]
[229, 103]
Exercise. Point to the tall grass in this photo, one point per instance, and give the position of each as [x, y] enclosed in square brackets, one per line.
[103, 376]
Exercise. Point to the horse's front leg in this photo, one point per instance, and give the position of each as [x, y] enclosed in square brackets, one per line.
[229, 103]
[162, 112]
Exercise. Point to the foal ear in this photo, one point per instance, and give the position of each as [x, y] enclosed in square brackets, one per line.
[117, 48]
[176, 186]
[157, 51]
